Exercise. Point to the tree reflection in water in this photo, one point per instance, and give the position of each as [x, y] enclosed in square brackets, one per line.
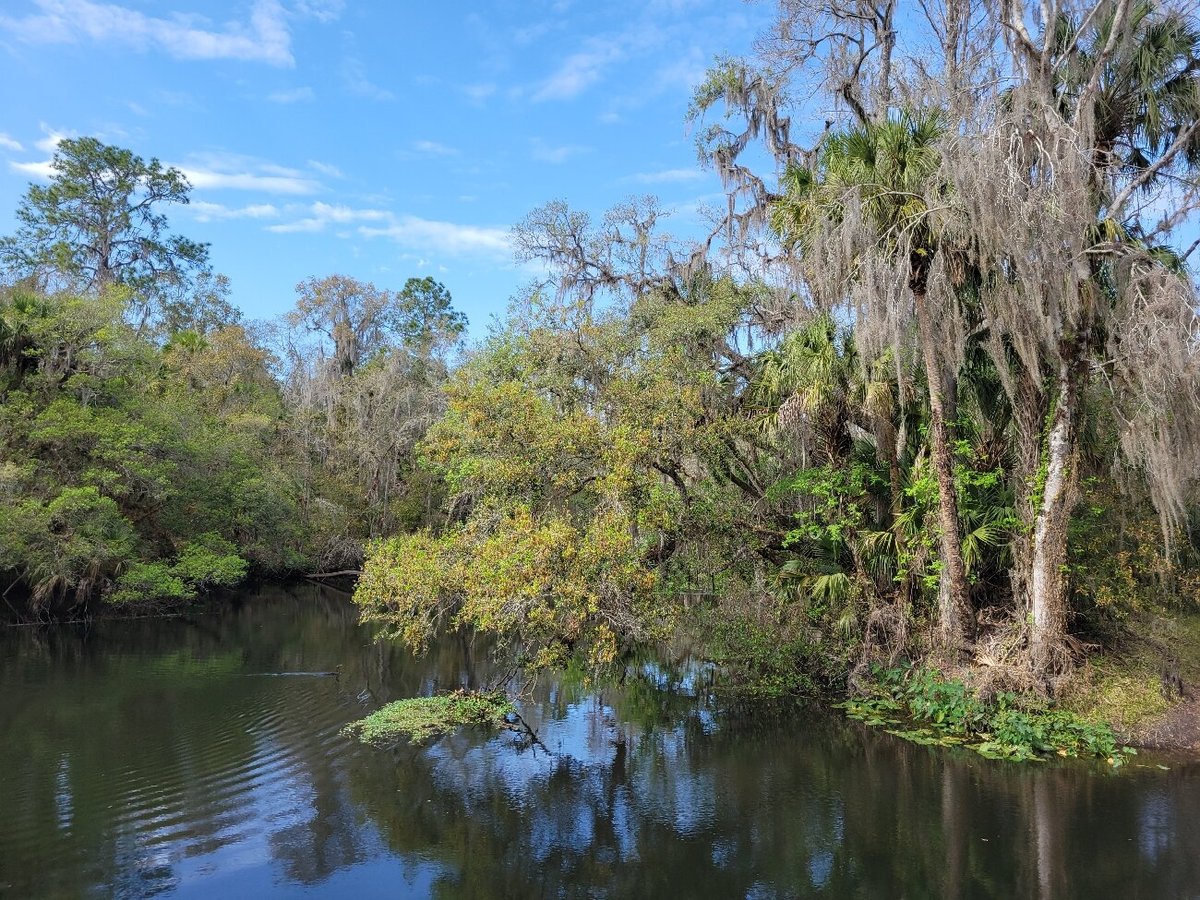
[159, 757]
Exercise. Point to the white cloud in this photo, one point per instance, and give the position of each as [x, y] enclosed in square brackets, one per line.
[666, 176]
[203, 211]
[40, 170]
[294, 95]
[53, 138]
[206, 179]
[263, 38]
[325, 214]
[443, 237]
[579, 71]
[321, 10]
[325, 168]
[354, 73]
[233, 171]
[8, 143]
[479, 92]
[433, 148]
[419, 235]
[546, 153]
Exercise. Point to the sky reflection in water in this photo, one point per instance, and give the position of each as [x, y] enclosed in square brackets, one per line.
[167, 758]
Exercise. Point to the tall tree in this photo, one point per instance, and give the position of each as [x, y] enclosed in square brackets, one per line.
[1104, 107]
[869, 189]
[364, 395]
[100, 222]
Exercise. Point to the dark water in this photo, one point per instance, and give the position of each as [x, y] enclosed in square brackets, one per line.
[159, 758]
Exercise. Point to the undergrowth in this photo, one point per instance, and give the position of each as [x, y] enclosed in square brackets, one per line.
[920, 705]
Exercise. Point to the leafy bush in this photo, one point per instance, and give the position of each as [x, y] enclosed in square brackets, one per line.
[210, 561]
[757, 661]
[72, 542]
[207, 562]
[150, 581]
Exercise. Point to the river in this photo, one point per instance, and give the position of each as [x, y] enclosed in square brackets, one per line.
[193, 757]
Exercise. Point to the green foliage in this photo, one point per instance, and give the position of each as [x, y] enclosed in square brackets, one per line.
[71, 543]
[154, 471]
[946, 712]
[755, 661]
[421, 719]
[150, 581]
[210, 561]
[567, 443]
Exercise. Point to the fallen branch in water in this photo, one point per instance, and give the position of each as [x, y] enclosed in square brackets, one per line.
[337, 574]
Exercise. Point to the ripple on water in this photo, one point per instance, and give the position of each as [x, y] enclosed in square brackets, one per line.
[230, 776]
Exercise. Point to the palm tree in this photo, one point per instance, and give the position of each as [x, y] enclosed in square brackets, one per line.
[873, 180]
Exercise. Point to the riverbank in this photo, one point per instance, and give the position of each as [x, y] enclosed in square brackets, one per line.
[1146, 685]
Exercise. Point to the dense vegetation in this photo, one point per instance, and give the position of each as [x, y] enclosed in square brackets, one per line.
[930, 388]
[152, 446]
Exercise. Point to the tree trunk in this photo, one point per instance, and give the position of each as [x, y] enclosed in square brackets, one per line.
[1047, 586]
[952, 592]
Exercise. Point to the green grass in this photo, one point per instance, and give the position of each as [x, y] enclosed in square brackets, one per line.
[422, 719]
[1124, 687]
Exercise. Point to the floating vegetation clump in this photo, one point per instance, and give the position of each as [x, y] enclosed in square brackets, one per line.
[420, 719]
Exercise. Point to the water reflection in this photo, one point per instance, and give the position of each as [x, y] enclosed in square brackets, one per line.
[171, 758]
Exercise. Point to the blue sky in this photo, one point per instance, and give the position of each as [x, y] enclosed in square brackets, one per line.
[375, 139]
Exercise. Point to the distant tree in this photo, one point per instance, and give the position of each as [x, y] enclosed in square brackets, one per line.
[100, 223]
[205, 310]
[365, 368]
[360, 319]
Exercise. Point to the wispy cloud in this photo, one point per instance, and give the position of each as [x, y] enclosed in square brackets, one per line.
[556, 155]
[354, 74]
[479, 92]
[52, 138]
[321, 10]
[229, 171]
[203, 211]
[433, 148]
[250, 181]
[293, 95]
[443, 237]
[665, 176]
[411, 232]
[322, 215]
[264, 37]
[8, 143]
[42, 171]
[325, 168]
[209, 171]
[580, 70]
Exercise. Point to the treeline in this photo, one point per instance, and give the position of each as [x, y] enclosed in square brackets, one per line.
[153, 446]
[931, 388]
